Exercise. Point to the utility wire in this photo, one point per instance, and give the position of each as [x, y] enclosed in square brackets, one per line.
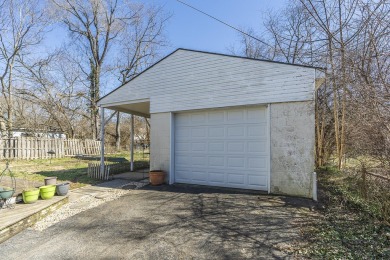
[218, 20]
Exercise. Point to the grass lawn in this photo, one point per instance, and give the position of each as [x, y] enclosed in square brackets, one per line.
[350, 227]
[66, 169]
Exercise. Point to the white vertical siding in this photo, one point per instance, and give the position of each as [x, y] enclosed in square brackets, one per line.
[189, 80]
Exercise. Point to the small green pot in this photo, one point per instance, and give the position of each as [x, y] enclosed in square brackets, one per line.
[47, 192]
[30, 196]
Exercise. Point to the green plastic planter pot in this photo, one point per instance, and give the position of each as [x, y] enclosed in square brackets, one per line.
[6, 192]
[30, 196]
[47, 192]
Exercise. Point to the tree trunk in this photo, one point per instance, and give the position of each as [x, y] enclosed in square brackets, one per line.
[343, 87]
[320, 130]
[335, 103]
[9, 102]
[94, 96]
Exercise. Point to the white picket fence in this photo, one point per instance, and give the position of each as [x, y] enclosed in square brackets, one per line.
[95, 173]
[38, 148]
[79, 146]
[109, 169]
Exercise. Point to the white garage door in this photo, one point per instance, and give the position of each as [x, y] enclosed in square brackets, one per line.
[227, 148]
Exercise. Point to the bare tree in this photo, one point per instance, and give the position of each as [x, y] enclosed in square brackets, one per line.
[349, 39]
[253, 48]
[139, 45]
[100, 27]
[288, 37]
[369, 61]
[292, 34]
[55, 84]
[94, 25]
[21, 28]
[340, 24]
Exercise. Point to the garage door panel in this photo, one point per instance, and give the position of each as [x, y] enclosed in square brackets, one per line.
[198, 118]
[257, 146]
[257, 131]
[216, 161]
[236, 146]
[199, 132]
[216, 117]
[182, 146]
[198, 160]
[217, 132]
[236, 116]
[182, 176]
[182, 120]
[216, 178]
[235, 131]
[183, 160]
[215, 147]
[257, 163]
[227, 148]
[236, 179]
[199, 147]
[257, 180]
[236, 162]
[200, 176]
[183, 132]
[255, 115]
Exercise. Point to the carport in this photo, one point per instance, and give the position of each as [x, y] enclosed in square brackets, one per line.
[138, 108]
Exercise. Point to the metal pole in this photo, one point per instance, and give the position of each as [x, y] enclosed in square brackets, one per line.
[132, 145]
[102, 140]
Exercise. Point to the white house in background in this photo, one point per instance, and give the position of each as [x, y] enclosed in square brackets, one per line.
[227, 121]
[24, 132]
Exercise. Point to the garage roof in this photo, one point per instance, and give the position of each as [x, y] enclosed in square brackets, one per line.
[213, 80]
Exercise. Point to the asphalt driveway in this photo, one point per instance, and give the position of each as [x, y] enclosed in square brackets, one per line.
[172, 223]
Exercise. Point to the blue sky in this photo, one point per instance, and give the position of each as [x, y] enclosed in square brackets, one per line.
[190, 29]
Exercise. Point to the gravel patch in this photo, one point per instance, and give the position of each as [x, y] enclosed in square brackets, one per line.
[84, 203]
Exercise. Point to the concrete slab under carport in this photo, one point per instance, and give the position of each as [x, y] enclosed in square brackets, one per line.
[133, 176]
[173, 222]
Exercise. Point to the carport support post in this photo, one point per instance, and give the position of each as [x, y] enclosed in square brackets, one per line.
[101, 140]
[132, 145]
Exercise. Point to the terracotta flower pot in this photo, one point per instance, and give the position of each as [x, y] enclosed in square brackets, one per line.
[156, 177]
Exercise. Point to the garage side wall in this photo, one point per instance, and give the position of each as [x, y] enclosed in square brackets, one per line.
[160, 141]
[292, 148]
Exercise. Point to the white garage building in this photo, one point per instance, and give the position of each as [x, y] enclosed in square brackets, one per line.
[227, 121]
